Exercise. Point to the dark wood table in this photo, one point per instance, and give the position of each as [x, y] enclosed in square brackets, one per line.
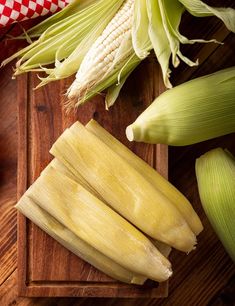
[205, 277]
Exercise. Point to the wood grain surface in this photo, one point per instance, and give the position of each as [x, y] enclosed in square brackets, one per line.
[41, 121]
[205, 277]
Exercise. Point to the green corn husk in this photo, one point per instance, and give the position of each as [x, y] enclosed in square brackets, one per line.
[59, 40]
[192, 112]
[65, 38]
[200, 9]
[68, 12]
[159, 182]
[98, 225]
[215, 172]
[145, 207]
[72, 242]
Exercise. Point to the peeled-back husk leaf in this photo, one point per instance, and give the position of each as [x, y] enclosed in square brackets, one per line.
[102, 15]
[171, 12]
[69, 11]
[50, 35]
[114, 90]
[75, 29]
[159, 39]
[200, 9]
[140, 39]
[215, 173]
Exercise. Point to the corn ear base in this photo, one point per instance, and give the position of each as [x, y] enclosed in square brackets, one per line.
[192, 112]
[215, 173]
[159, 182]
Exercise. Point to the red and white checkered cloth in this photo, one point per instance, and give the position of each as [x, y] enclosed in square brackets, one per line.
[18, 10]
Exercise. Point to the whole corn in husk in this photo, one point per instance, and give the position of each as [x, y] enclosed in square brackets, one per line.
[98, 225]
[192, 112]
[104, 40]
[72, 242]
[215, 172]
[118, 183]
[57, 165]
[159, 182]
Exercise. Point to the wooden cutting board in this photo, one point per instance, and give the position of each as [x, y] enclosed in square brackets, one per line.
[45, 267]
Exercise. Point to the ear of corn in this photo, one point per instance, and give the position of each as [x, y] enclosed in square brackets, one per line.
[215, 172]
[72, 242]
[103, 53]
[114, 78]
[98, 225]
[73, 37]
[145, 207]
[159, 182]
[195, 111]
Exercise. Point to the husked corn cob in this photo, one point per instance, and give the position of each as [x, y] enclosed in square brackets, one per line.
[123, 188]
[102, 54]
[98, 225]
[72, 242]
[159, 182]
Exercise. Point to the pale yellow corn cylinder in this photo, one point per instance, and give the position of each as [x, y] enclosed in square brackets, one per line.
[100, 57]
[159, 182]
[56, 164]
[73, 243]
[98, 225]
[123, 188]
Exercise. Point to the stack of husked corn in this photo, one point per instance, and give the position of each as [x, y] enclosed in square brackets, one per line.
[88, 193]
